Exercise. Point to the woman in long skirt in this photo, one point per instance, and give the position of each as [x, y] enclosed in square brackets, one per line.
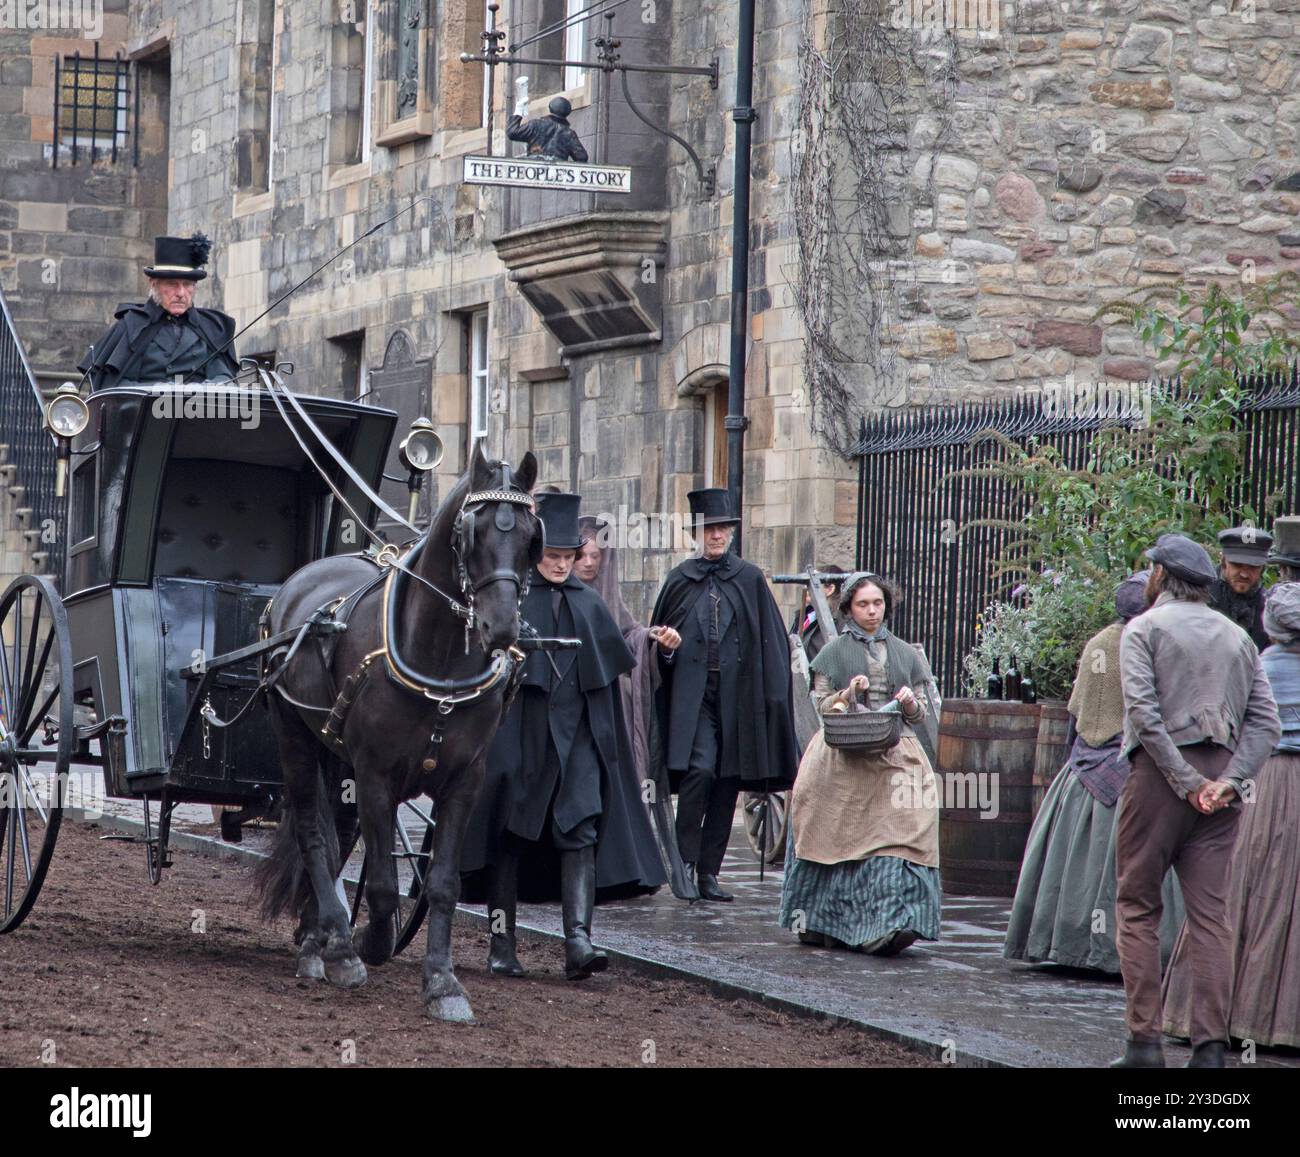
[1064, 910]
[1264, 873]
[865, 869]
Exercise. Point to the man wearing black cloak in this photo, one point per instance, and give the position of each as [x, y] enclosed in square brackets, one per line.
[560, 774]
[725, 706]
[154, 340]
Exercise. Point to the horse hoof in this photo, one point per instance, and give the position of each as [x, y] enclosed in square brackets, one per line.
[346, 973]
[310, 968]
[451, 1008]
[363, 946]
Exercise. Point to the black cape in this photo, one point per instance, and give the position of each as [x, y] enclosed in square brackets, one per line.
[517, 793]
[125, 342]
[754, 693]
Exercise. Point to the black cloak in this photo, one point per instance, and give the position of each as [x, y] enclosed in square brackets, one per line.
[517, 792]
[124, 343]
[754, 694]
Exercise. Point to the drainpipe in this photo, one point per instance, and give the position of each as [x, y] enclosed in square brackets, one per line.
[744, 116]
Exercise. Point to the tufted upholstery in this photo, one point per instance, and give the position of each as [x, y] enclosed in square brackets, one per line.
[228, 522]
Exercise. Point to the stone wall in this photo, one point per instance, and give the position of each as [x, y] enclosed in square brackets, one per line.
[1079, 153]
[73, 239]
[1086, 152]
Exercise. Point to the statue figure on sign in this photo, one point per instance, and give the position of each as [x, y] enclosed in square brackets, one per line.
[549, 138]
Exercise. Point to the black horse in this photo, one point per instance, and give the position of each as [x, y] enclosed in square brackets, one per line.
[425, 707]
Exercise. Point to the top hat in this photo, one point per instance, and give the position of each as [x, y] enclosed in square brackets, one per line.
[1183, 558]
[559, 515]
[712, 507]
[1245, 544]
[1286, 541]
[179, 258]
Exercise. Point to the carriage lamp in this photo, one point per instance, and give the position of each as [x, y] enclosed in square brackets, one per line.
[421, 451]
[66, 415]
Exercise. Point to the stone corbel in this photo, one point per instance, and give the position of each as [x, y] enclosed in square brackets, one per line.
[595, 279]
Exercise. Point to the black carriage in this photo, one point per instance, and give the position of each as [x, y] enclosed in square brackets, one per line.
[187, 508]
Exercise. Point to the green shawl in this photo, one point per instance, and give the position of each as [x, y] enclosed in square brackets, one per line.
[846, 656]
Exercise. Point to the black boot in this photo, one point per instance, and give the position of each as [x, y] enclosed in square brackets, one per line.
[503, 881]
[1141, 1054]
[578, 900]
[1207, 1055]
[709, 889]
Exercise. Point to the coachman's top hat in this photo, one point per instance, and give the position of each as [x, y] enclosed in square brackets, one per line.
[179, 258]
[1245, 544]
[712, 507]
[1286, 541]
[559, 515]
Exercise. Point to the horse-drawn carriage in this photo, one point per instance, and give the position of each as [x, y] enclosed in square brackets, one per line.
[185, 514]
[189, 509]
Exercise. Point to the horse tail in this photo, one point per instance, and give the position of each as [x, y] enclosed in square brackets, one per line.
[281, 879]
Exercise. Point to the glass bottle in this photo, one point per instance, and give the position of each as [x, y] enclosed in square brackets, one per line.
[1011, 682]
[995, 683]
[1028, 692]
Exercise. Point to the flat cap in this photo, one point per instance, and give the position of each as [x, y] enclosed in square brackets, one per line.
[1245, 544]
[1183, 558]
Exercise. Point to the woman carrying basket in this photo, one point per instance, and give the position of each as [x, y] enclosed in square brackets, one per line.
[864, 873]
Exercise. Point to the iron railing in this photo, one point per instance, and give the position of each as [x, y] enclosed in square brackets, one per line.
[31, 450]
[910, 521]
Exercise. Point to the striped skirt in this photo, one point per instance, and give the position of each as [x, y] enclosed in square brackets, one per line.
[861, 900]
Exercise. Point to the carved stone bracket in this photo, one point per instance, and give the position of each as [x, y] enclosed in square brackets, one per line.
[595, 278]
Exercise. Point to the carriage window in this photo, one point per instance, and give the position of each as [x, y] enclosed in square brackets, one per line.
[83, 501]
[478, 376]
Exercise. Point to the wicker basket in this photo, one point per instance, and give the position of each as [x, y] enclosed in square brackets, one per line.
[863, 733]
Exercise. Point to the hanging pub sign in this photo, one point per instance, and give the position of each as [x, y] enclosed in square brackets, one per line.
[541, 173]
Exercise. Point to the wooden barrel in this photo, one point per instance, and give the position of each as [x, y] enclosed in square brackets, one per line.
[986, 779]
[1052, 750]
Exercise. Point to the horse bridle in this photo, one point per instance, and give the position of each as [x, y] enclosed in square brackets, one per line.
[463, 537]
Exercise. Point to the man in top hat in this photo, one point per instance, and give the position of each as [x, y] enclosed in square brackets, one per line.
[560, 774]
[725, 707]
[1285, 554]
[1199, 722]
[1238, 591]
[154, 340]
[549, 138]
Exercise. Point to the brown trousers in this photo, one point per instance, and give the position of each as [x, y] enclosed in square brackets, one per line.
[1157, 828]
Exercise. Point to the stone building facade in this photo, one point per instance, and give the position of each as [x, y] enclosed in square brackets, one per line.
[943, 194]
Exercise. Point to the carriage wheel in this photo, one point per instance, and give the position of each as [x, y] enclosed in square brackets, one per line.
[412, 847]
[773, 850]
[36, 738]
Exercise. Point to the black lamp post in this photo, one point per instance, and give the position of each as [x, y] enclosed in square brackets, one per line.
[744, 116]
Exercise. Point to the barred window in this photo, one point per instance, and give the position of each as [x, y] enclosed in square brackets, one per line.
[92, 96]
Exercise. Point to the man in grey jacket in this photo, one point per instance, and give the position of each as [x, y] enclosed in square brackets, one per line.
[1199, 723]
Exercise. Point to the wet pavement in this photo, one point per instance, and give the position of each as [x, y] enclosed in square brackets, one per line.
[957, 994]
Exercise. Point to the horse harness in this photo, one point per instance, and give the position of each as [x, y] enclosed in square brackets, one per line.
[330, 620]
